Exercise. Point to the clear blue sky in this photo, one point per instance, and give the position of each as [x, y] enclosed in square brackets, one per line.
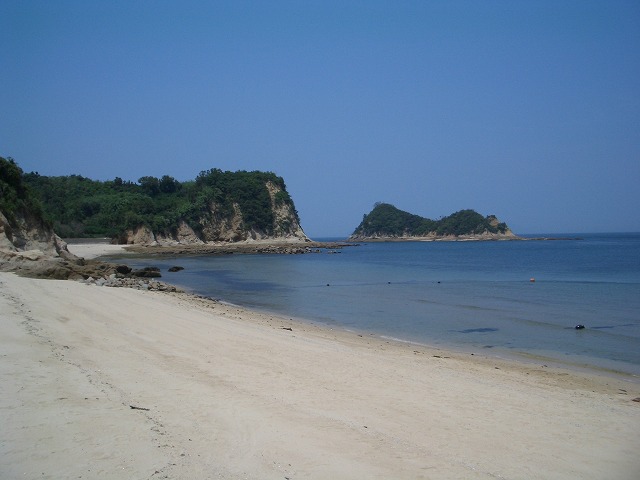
[529, 110]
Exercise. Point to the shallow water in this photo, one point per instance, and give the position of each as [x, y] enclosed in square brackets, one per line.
[466, 295]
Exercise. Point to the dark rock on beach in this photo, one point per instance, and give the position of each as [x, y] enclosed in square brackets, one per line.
[147, 272]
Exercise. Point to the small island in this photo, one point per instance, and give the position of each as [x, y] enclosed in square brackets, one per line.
[388, 223]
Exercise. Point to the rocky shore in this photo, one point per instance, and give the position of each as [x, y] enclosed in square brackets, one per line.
[91, 270]
[114, 280]
[485, 237]
[241, 247]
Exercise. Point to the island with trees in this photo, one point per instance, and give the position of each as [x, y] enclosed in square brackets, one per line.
[388, 223]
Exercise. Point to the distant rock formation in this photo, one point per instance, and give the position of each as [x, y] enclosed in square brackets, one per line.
[387, 223]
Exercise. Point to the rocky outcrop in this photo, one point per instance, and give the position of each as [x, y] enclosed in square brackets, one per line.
[387, 223]
[27, 242]
[216, 226]
[143, 235]
[115, 280]
[217, 207]
[29, 247]
[30, 236]
[286, 223]
[433, 237]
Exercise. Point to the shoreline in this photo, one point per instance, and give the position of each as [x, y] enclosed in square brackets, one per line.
[233, 392]
[101, 248]
[598, 366]
[607, 368]
[460, 238]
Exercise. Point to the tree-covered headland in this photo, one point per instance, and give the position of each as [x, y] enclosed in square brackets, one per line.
[77, 206]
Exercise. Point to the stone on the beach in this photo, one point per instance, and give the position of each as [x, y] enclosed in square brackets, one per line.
[123, 269]
[147, 272]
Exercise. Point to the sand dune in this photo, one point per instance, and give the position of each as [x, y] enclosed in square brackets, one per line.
[235, 394]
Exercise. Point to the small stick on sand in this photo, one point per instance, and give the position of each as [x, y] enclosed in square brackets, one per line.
[133, 407]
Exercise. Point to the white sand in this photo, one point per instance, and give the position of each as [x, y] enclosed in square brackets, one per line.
[94, 250]
[231, 394]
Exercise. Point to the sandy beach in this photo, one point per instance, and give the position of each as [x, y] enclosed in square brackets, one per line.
[96, 249]
[221, 392]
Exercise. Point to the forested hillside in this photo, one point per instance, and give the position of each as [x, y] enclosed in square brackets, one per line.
[15, 196]
[387, 221]
[22, 222]
[246, 202]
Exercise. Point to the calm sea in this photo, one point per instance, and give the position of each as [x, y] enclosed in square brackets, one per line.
[471, 296]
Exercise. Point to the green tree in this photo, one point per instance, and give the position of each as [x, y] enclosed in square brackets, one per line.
[150, 185]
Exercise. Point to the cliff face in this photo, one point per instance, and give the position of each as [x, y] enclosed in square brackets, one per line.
[217, 224]
[217, 206]
[24, 234]
[28, 236]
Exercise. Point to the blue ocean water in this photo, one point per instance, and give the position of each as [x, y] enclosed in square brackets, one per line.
[464, 295]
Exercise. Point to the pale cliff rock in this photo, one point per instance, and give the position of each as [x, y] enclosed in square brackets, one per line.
[186, 234]
[287, 224]
[30, 239]
[142, 235]
[216, 227]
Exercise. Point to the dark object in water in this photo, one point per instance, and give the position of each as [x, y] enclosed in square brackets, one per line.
[175, 269]
[478, 330]
[579, 327]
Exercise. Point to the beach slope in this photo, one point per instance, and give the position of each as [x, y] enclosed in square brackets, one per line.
[117, 383]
